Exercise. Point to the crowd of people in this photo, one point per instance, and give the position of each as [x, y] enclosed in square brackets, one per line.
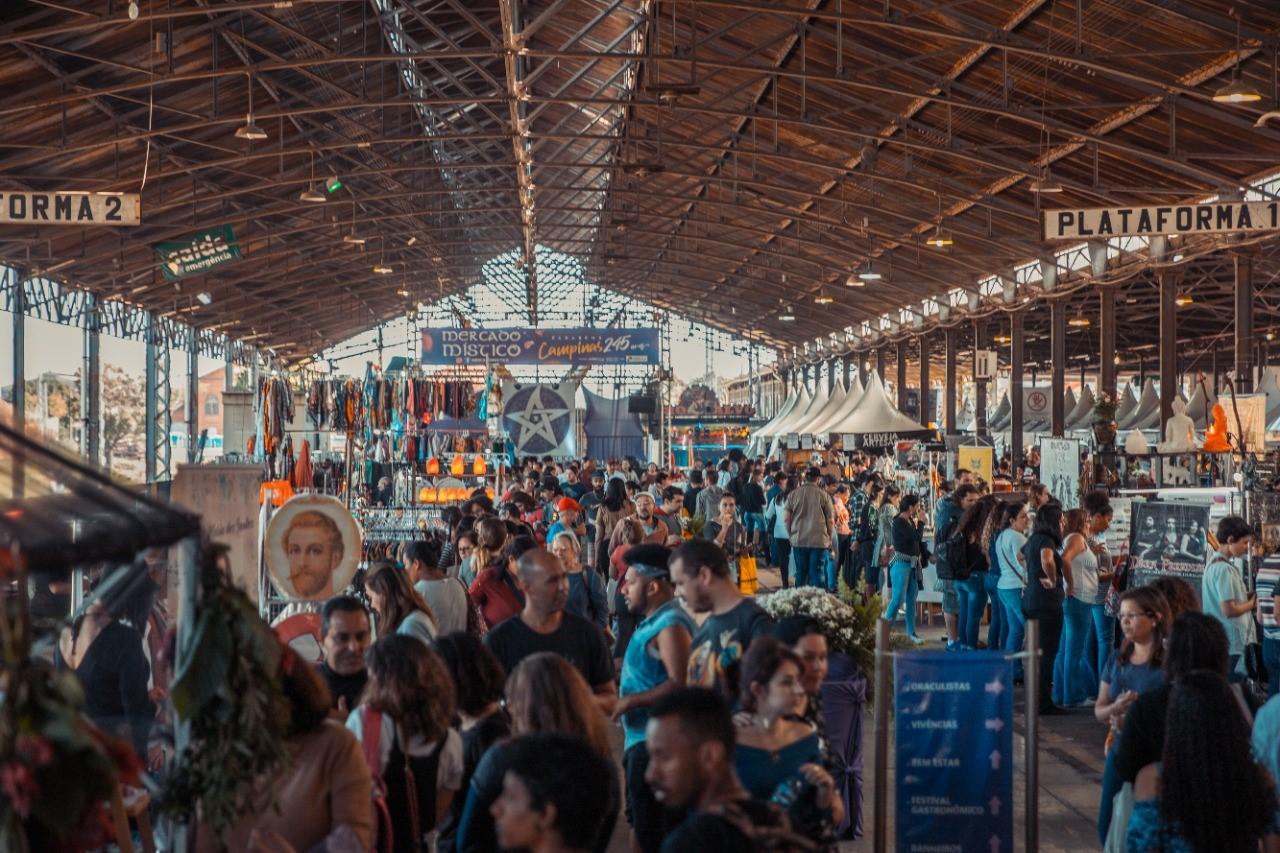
[583, 649]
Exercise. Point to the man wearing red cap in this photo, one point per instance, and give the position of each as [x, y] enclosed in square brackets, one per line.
[569, 521]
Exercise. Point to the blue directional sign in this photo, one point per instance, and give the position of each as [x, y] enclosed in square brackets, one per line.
[954, 719]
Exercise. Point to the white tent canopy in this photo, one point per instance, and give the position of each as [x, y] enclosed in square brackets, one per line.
[800, 425]
[877, 422]
[787, 406]
[802, 403]
[1269, 387]
[1080, 417]
[1149, 402]
[1126, 404]
[1200, 405]
[999, 418]
[834, 402]
[831, 423]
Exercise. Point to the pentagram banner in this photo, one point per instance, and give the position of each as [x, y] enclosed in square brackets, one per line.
[541, 419]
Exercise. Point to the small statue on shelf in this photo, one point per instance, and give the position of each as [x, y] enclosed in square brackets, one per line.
[1179, 431]
[1215, 437]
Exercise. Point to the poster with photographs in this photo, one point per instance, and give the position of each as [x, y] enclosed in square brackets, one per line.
[1060, 469]
[1168, 538]
[1118, 533]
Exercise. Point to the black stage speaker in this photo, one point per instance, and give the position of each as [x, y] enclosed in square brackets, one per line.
[642, 404]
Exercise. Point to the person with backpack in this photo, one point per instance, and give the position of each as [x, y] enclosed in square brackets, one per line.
[691, 741]
[969, 567]
[414, 755]
[1044, 593]
[775, 517]
[945, 537]
[587, 596]
[864, 534]
[882, 551]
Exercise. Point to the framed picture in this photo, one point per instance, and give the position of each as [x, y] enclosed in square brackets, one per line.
[312, 548]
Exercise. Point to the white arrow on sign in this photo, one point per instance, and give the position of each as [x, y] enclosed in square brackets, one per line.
[994, 803]
[994, 844]
[995, 725]
[995, 686]
[995, 759]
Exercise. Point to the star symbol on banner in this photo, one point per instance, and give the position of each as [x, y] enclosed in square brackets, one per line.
[537, 420]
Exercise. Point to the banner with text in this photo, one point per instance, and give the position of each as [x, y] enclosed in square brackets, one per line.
[1209, 218]
[540, 346]
[198, 253]
[954, 775]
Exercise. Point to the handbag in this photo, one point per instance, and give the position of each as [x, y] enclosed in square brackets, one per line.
[1254, 666]
[1119, 585]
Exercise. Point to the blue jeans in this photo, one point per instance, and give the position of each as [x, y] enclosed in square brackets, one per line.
[1104, 631]
[902, 576]
[754, 521]
[809, 563]
[998, 630]
[1111, 784]
[1271, 657]
[1011, 601]
[1078, 682]
[973, 600]
[829, 568]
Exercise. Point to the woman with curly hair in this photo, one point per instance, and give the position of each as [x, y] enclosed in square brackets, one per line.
[404, 725]
[1207, 794]
[545, 695]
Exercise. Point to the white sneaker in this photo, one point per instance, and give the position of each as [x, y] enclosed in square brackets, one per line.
[919, 641]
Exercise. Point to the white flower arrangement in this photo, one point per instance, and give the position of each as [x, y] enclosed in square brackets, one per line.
[842, 624]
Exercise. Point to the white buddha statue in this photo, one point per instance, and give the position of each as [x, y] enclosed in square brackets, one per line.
[1179, 431]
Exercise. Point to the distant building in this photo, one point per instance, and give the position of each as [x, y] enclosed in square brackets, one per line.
[209, 414]
[768, 393]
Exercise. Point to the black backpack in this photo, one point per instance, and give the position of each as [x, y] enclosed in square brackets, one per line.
[866, 530]
[949, 552]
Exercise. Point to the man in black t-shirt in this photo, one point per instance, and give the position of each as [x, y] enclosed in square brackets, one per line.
[544, 626]
[345, 637]
[700, 571]
[690, 739]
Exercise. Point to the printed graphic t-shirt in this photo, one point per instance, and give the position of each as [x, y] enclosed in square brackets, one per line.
[724, 638]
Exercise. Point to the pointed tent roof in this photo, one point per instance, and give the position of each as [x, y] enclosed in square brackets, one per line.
[1126, 403]
[802, 401]
[834, 402]
[839, 401]
[831, 423]
[964, 419]
[1147, 403]
[1068, 404]
[998, 418]
[1078, 417]
[1200, 404]
[820, 400]
[787, 405]
[876, 422]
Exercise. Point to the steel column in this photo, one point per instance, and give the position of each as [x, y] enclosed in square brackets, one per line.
[193, 399]
[862, 368]
[1107, 342]
[1168, 352]
[848, 370]
[158, 397]
[925, 414]
[901, 365]
[1017, 354]
[91, 385]
[980, 392]
[880, 367]
[1058, 369]
[19, 320]
[1244, 321]
[950, 390]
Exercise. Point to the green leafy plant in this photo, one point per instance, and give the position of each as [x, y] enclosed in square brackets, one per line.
[229, 690]
[695, 525]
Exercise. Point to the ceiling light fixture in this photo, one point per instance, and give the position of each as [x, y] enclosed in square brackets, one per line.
[353, 237]
[332, 185]
[1237, 91]
[249, 130]
[822, 298]
[383, 269]
[940, 239]
[310, 196]
[1002, 339]
[869, 273]
[853, 280]
[1046, 185]
[402, 292]
[1079, 321]
[1184, 299]
[204, 297]
[787, 316]
[411, 240]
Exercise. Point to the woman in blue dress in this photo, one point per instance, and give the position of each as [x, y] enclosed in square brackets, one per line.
[778, 755]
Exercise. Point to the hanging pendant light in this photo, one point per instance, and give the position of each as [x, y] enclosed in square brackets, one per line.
[787, 315]
[940, 239]
[353, 237]
[869, 273]
[1237, 91]
[310, 195]
[250, 130]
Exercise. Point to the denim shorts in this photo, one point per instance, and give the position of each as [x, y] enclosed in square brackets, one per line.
[950, 598]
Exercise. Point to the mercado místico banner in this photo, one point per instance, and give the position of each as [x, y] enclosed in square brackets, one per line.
[540, 346]
[198, 253]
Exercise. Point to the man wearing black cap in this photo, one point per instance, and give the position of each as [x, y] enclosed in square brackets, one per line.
[590, 502]
[654, 664]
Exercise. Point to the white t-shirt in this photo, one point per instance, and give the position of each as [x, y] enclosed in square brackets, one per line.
[1013, 574]
[448, 602]
[449, 775]
[418, 624]
[1084, 571]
